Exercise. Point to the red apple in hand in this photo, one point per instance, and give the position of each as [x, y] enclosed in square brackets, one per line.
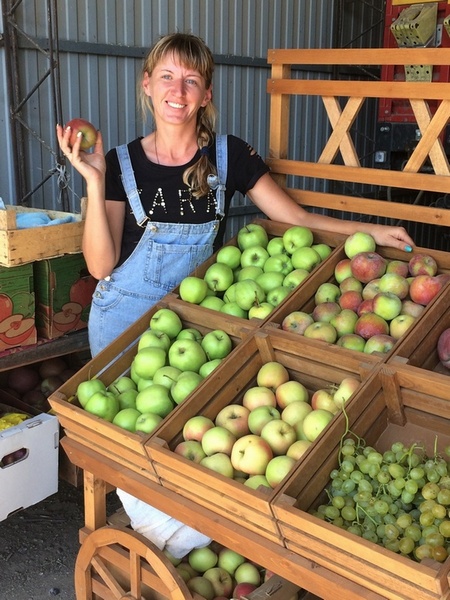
[88, 132]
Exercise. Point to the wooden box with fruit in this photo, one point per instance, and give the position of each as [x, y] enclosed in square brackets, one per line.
[115, 401]
[29, 234]
[371, 501]
[232, 443]
[257, 269]
[364, 299]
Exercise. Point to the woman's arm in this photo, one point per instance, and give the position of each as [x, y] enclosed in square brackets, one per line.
[274, 202]
[103, 227]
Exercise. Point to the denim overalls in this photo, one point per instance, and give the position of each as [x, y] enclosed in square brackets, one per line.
[165, 254]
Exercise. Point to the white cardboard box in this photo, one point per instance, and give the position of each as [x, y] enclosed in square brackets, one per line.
[35, 476]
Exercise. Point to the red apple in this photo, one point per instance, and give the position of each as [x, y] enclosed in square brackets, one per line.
[381, 343]
[296, 321]
[365, 306]
[242, 590]
[272, 374]
[350, 284]
[398, 266]
[258, 395]
[367, 266]
[422, 264]
[291, 391]
[400, 325]
[424, 288]
[350, 299]
[345, 390]
[343, 270]
[87, 130]
[251, 454]
[323, 398]
[370, 324]
[443, 347]
[325, 311]
[412, 308]
[321, 330]
[234, 417]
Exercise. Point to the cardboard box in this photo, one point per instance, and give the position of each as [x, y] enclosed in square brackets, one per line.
[64, 291]
[34, 476]
[394, 404]
[17, 307]
[275, 588]
[232, 499]
[20, 246]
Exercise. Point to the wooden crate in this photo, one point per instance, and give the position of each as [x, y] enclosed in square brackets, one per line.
[394, 404]
[302, 299]
[115, 360]
[418, 347]
[19, 246]
[274, 229]
[231, 499]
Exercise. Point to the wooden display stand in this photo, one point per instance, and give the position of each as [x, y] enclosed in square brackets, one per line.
[104, 552]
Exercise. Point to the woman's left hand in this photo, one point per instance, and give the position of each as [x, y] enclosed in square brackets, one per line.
[394, 237]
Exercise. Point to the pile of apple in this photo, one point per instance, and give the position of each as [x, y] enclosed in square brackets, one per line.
[372, 302]
[34, 383]
[218, 573]
[259, 441]
[252, 278]
[170, 362]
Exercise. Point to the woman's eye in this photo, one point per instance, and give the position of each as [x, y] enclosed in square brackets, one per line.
[191, 81]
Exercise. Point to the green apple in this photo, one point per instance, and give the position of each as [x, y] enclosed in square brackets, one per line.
[153, 337]
[193, 289]
[233, 308]
[166, 320]
[148, 360]
[296, 237]
[208, 367]
[247, 572]
[276, 246]
[217, 344]
[147, 422]
[321, 330]
[315, 422]
[230, 560]
[270, 280]
[251, 272]
[387, 305]
[143, 383]
[184, 385]
[327, 292]
[249, 293]
[255, 256]
[278, 468]
[220, 463]
[218, 439]
[280, 263]
[295, 278]
[212, 302]
[121, 384]
[195, 427]
[252, 234]
[230, 294]
[127, 399]
[256, 481]
[276, 296]
[190, 449]
[166, 376]
[202, 559]
[219, 277]
[322, 249]
[87, 388]
[103, 404]
[126, 418]
[229, 255]
[305, 258]
[359, 242]
[190, 333]
[155, 399]
[186, 355]
[260, 311]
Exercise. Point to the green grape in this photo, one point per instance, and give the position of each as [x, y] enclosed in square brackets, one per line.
[365, 486]
[404, 520]
[406, 545]
[375, 458]
[441, 468]
[368, 450]
[339, 522]
[433, 475]
[392, 545]
[389, 519]
[347, 466]
[430, 491]
[336, 483]
[443, 497]
[396, 470]
[413, 531]
[447, 450]
[411, 486]
[356, 476]
[423, 551]
[348, 513]
[400, 483]
[414, 460]
[338, 502]
[444, 528]
[427, 505]
[434, 539]
[407, 498]
[397, 447]
[348, 486]
[381, 530]
[355, 529]
[391, 531]
[381, 507]
[439, 553]
[331, 512]
[383, 477]
[334, 474]
[439, 511]
[426, 518]
[374, 469]
[417, 473]
[389, 456]
[348, 450]
[371, 536]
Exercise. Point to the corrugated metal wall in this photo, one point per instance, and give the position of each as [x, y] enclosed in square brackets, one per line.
[102, 44]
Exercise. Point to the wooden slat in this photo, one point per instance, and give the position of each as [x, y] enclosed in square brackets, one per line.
[359, 56]
[340, 138]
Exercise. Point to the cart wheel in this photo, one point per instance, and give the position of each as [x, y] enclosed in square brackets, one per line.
[115, 563]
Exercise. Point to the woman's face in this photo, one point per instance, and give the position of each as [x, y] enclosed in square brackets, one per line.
[177, 92]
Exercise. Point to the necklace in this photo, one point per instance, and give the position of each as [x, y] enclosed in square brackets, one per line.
[156, 151]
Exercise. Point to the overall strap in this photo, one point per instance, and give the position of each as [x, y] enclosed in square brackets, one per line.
[219, 182]
[129, 184]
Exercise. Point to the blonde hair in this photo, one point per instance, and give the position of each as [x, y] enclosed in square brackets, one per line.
[193, 53]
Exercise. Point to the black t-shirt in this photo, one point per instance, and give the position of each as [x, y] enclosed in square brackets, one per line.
[167, 199]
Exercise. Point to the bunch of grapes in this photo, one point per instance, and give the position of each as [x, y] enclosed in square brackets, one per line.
[399, 499]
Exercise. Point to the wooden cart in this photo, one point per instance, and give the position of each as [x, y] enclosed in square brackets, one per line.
[116, 563]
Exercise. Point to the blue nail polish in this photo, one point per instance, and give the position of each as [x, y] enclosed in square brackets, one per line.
[408, 249]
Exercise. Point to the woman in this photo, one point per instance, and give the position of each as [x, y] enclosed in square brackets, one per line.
[152, 215]
[180, 223]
